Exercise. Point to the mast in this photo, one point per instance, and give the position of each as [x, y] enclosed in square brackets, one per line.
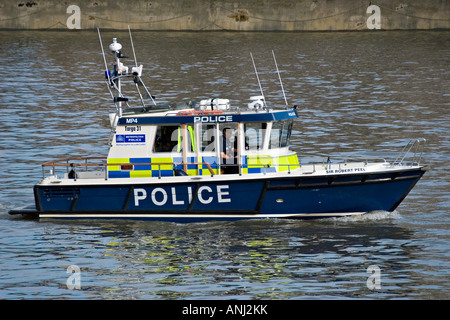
[279, 77]
[116, 48]
[259, 82]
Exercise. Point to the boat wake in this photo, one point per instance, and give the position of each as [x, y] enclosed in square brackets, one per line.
[370, 216]
[6, 206]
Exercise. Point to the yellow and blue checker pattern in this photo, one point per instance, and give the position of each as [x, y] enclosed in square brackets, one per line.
[266, 164]
[154, 168]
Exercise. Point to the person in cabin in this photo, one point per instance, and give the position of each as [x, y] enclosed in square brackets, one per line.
[229, 152]
[72, 173]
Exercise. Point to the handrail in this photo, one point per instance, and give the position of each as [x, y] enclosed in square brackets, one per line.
[416, 146]
[69, 163]
[53, 162]
[56, 163]
[326, 158]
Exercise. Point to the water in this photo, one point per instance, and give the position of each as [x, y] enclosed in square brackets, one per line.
[358, 93]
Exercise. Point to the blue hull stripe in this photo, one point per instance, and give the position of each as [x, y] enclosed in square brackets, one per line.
[276, 196]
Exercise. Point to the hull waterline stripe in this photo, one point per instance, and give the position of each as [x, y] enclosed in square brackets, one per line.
[197, 216]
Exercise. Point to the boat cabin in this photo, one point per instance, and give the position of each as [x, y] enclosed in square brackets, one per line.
[194, 139]
[206, 138]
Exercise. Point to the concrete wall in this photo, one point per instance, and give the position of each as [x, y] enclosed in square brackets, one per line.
[246, 15]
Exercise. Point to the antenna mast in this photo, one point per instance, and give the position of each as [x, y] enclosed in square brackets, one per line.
[279, 77]
[132, 46]
[138, 78]
[107, 76]
[259, 83]
[135, 62]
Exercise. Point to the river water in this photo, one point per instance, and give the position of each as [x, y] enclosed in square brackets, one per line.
[362, 93]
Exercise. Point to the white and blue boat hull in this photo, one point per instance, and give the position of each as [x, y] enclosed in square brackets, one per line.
[228, 198]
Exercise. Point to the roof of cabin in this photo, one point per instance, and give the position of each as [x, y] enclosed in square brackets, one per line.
[168, 115]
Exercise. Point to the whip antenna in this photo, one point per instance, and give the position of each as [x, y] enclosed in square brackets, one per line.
[257, 77]
[103, 51]
[139, 78]
[132, 46]
[104, 60]
[135, 62]
[279, 77]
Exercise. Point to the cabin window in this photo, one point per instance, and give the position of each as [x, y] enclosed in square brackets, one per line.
[229, 148]
[208, 137]
[280, 134]
[254, 135]
[169, 138]
[286, 133]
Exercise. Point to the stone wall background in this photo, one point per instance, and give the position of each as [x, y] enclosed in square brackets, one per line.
[211, 15]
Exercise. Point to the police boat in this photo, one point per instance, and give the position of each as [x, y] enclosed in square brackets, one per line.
[210, 160]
